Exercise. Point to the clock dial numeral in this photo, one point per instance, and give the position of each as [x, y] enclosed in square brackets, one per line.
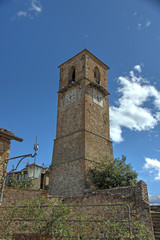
[70, 97]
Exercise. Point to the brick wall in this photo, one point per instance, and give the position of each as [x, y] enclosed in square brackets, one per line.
[82, 125]
[13, 195]
[68, 179]
[4, 154]
[137, 196]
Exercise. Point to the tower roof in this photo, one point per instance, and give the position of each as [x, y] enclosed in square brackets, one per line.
[85, 51]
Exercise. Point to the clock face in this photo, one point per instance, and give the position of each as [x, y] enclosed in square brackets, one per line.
[70, 96]
[97, 97]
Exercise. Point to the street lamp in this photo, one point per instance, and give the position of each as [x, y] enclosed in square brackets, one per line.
[32, 168]
[32, 171]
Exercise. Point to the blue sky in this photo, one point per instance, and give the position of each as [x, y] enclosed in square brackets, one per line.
[38, 35]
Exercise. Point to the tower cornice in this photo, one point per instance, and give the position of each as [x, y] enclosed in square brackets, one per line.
[100, 87]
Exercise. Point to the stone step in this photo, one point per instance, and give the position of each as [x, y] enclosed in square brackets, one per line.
[156, 230]
[155, 213]
[155, 208]
[156, 221]
[157, 224]
[157, 235]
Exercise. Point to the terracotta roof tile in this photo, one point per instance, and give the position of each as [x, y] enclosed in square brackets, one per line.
[10, 135]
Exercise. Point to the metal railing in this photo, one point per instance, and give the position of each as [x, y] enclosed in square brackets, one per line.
[96, 218]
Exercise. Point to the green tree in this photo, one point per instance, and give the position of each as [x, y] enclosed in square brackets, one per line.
[111, 173]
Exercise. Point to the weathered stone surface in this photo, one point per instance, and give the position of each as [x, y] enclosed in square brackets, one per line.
[5, 137]
[14, 196]
[136, 197]
[82, 124]
[4, 154]
[68, 179]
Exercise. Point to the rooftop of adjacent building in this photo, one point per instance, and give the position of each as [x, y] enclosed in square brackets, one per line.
[10, 135]
[29, 165]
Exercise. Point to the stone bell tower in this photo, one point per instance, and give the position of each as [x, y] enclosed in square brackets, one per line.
[82, 123]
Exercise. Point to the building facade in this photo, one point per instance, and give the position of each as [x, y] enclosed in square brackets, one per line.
[33, 176]
[83, 133]
[5, 139]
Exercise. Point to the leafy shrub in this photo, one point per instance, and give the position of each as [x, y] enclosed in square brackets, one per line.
[111, 173]
[19, 181]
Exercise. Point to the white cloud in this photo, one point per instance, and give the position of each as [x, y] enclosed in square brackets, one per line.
[154, 199]
[34, 7]
[138, 68]
[153, 165]
[143, 24]
[135, 91]
[141, 21]
[148, 23]
[139, 26]
[21, 14]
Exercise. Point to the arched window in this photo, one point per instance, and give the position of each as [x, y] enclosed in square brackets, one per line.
[97, 75]
[72, 75]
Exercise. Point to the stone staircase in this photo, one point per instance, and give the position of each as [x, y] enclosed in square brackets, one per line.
[155, 213]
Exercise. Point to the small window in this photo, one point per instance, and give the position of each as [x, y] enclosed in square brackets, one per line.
[72, 75]
[25, 176]
[97, 75]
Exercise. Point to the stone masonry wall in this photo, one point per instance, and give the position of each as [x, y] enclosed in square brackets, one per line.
[68, 179]
[82, 125]
[69, 148]
[94, 151]
[136, 195]
[90, 65]
[70, 117]
[96, 117]
[4, 154]
[79, 64]
[13, 195]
